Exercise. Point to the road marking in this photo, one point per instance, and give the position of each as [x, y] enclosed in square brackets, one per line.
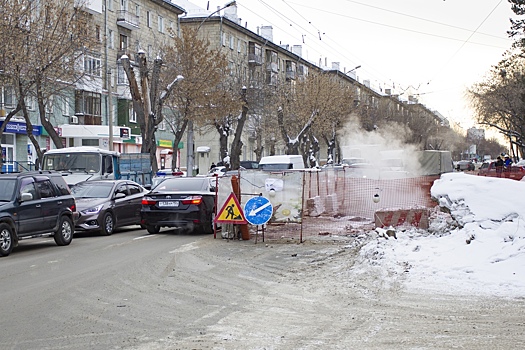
[141, 237]
[185, 248]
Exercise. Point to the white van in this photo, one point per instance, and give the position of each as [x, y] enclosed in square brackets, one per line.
[280, 163]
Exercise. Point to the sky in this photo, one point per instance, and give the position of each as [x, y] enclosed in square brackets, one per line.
[432, 49]
[484, 254]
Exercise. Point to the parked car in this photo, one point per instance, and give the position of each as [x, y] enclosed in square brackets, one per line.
[165, 174]
[516, 172]
[186, 202]
[105, 205]
[249, 164]
[465, 165]
[219, 170]
[35, 204]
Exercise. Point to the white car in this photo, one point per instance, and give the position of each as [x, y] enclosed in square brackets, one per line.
[217, 171]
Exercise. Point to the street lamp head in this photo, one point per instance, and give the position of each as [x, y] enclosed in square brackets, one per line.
[231, 3]
[353, 69]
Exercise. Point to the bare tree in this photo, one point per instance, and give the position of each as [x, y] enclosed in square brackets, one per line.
[318, 98]
[199, 98]
[499, 103]
[148, 99]
[40, 57]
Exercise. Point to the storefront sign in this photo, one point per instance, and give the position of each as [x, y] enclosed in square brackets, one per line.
[165, 143]
[20, 128]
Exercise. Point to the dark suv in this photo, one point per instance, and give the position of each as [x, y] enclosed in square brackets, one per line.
[34, 204]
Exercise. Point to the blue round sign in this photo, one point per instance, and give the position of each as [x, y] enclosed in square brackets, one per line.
[258, 210]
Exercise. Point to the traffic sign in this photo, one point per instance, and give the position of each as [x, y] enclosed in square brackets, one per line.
[258, 210]
[231, 212]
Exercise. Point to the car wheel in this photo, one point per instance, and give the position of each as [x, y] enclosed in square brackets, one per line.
[153, 229]
[207, 228]
[108, 224]
[6, 239]
[64, 234]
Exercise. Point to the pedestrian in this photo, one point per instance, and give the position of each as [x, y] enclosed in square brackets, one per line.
[212, 165]
[508, 165]
[499, 166]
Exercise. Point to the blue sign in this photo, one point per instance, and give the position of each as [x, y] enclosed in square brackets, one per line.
[258, 210]
[20, 128]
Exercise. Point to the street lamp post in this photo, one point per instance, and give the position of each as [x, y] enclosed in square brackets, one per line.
[190, 154]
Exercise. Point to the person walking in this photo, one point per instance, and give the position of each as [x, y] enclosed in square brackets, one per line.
[212, 165]
[499, 166]
[508, 165]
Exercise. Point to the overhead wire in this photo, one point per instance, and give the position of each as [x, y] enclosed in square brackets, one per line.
[330, 49]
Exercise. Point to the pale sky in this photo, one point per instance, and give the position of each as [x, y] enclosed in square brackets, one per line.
[434, 48]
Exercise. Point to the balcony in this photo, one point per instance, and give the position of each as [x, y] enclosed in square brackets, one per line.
[127, 19]
[254, 59]
[291, 75]
[272, 67]
[85, 119]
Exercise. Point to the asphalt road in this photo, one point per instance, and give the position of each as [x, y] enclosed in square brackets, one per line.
[137, 291]
[97, 293]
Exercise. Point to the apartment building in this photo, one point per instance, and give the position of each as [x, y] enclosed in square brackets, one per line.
[100, 102]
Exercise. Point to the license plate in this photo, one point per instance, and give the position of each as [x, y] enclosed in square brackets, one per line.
[169, 204]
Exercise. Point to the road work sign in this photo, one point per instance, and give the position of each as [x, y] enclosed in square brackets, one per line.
[231, 212]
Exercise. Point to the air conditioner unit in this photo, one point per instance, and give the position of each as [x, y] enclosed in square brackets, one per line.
[74, 119]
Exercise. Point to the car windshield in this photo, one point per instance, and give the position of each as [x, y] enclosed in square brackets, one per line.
[7, 188]
[92, 190]
[182, 184]
[74, 162]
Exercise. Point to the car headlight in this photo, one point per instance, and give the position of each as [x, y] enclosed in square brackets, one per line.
[93, 210]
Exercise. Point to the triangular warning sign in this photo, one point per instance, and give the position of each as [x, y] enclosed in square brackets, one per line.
[231, 212]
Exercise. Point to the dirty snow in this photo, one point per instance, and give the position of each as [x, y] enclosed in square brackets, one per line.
[475, 243]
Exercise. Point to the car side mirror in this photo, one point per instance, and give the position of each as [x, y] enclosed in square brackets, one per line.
[26, 197]
[119, 195]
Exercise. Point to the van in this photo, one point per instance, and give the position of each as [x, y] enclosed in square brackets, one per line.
[280, 163]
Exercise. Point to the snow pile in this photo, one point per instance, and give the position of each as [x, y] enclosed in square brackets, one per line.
[475, 243]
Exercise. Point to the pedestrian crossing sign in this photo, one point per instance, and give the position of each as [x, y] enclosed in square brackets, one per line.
[231, 212]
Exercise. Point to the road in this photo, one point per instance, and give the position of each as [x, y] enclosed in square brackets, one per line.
[132, 290]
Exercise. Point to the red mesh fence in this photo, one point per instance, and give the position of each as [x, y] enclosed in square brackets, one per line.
[338, 203]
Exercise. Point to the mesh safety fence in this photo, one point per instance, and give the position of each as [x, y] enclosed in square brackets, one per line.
[331, 202]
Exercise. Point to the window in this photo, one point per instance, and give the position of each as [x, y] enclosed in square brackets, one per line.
[137, 10]
[87, 103]
[162, 125]
[108, 164]
[30, 102]
[62, 186]
[239, 44]
[110, 5]
[232, 42]
[123, 45]
[223, 39]
[9, 98]
[161, 24]
[124, 5]
[65, 105]
[171, 29]
[46, 189]
[132, 114]
[148, 19]
[150, 51]
[122, 189]
[111, 39]
[122, 79]
[49, 105]
[97, 33]
[27, 185]
[90, 142]
[92, 66]
[134, 189]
